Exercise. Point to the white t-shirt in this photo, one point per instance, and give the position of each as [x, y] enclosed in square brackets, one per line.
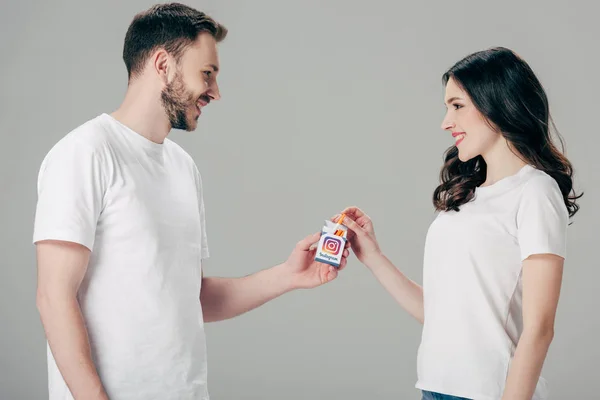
[138, 206]
[472, 283]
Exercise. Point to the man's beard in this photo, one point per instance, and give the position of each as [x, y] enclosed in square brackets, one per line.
[176, 101]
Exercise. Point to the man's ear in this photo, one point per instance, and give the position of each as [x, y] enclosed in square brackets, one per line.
[160, 64]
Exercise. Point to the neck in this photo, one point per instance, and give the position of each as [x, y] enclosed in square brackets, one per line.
[501, 162]
[142, 111]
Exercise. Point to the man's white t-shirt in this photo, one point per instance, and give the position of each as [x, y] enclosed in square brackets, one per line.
[472, 285]
[138, 206]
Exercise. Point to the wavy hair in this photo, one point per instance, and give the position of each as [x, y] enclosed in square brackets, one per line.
[505, 90]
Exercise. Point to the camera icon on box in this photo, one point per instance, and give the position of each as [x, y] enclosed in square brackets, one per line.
[331, 245]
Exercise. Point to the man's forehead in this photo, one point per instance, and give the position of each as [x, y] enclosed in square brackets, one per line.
[204, 50]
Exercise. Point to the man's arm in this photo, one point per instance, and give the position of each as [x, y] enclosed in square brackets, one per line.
[224, 298]
[542, 275]
[61, 268]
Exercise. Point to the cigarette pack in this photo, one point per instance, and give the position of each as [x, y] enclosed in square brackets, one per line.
[332, 243]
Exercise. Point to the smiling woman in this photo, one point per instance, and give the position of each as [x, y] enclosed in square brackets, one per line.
[495, 102]
[494, 256]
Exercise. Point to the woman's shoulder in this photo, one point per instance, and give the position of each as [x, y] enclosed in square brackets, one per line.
[539, 183]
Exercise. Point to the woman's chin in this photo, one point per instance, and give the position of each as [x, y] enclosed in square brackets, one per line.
[464, 156]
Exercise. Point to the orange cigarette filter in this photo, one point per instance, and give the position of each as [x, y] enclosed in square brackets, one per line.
[340, 232]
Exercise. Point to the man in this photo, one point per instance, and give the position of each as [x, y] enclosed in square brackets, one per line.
[120, 231]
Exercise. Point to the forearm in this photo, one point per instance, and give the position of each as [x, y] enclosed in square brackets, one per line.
[69, 343]
[224, 298]
[406, 292]
[527, 364]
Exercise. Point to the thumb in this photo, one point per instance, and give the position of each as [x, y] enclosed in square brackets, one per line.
[331, 274]
[305, 243]
[353, 226]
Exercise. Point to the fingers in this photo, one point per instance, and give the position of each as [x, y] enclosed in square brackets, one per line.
[307, 242]
[355, 214]
[327, 272]
[331, 274]
[353, 226]
[344, 261]
[362, 221]
[336, 218]
[353, 211]
[366, 223]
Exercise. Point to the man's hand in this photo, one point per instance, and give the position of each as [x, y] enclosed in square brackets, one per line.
[224, 298]
[304, 271]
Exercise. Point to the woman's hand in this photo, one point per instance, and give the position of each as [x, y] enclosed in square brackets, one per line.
[361, 234]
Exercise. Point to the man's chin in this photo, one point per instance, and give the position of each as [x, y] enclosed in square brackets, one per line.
[192, 125]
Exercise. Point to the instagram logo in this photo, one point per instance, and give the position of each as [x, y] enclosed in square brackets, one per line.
[331, 245]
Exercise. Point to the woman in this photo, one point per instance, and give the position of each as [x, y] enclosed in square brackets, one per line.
[494, 255]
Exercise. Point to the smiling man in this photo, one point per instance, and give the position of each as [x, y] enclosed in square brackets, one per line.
[120, 231]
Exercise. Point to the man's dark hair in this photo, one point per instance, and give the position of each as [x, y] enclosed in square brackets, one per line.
[172, 26]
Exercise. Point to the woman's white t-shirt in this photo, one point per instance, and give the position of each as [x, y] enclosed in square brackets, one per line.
[472, 283]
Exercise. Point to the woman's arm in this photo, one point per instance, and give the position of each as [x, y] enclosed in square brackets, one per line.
[542, 276]
[364, 244]
[406, 292]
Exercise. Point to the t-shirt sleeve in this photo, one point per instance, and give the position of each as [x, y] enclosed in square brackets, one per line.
[542, 219]
[205, 252]
[204, 245]
[70, 191]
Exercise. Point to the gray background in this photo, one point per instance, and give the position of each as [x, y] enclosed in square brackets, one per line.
[337, 95]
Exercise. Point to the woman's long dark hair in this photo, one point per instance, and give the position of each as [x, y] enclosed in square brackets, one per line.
[507, 93]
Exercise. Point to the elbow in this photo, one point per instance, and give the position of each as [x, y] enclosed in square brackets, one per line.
[206, 314]
[48, 300]
[546, 335]
[209, 314]
[41, 300]
[208, 319]
[540, 333]
[44, 305]
[206, 301]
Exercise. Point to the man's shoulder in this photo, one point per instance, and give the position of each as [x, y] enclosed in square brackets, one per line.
[93, 132]
[88, 139]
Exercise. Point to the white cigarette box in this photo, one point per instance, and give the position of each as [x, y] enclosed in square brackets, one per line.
[331, 245]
